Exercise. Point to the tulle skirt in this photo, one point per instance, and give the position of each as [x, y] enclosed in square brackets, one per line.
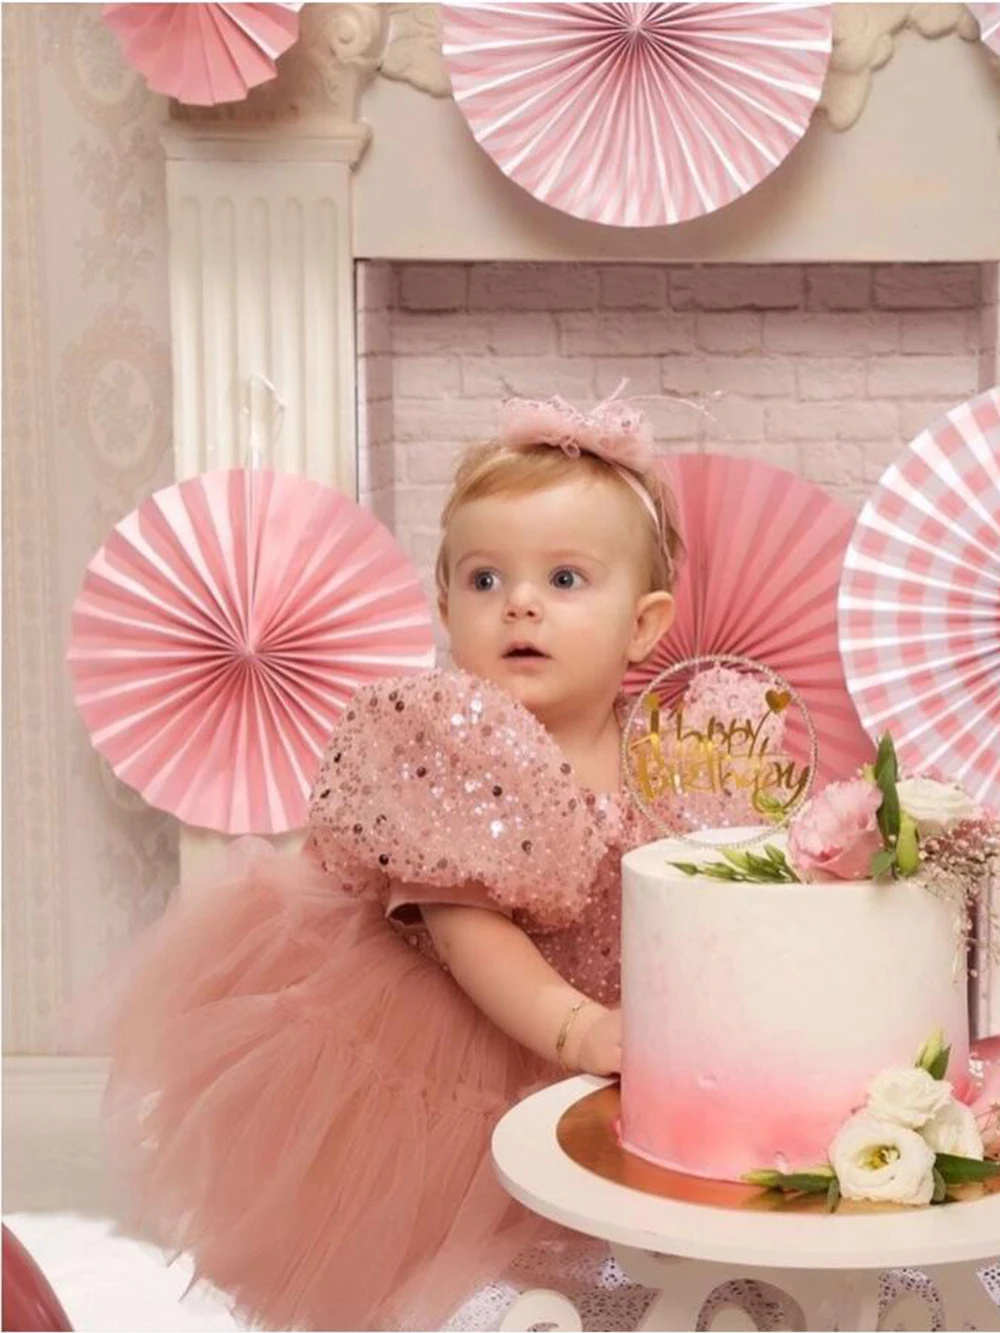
[303, 1102]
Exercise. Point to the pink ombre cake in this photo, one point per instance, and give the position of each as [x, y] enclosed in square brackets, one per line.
[755, 1015]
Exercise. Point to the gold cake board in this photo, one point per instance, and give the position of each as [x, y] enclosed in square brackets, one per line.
[587, 1135]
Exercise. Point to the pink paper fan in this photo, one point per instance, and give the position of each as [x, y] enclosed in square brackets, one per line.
[764, 556]
[204, 54]
[637, 115]
[920, 601]
[988, 17]
[221, 629]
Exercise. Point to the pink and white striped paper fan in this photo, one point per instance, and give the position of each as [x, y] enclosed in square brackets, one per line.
[988, 17]
[637, 115]
[919, 601]
[221, 629]
[764, 555]
[204, 54]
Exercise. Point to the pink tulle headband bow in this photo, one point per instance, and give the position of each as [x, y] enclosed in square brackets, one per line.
[615, 431]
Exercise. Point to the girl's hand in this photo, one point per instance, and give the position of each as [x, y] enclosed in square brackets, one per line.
[598, 1041]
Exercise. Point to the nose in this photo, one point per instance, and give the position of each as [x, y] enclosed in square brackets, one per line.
[522, 603]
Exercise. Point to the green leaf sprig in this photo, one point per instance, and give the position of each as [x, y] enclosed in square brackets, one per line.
[815, 1181]
[934, 1055]
[900, 854]
[745, 867]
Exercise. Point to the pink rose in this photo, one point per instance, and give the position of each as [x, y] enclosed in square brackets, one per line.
[836, 835]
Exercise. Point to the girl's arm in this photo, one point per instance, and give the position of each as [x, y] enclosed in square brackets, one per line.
[502, 972]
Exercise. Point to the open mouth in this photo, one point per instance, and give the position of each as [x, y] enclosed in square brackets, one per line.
[524, 650]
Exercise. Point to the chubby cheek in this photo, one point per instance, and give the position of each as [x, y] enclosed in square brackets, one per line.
[599, 635]
[469, 656]
[469, 633]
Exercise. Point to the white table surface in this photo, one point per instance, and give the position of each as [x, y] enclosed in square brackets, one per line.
[535, 1171]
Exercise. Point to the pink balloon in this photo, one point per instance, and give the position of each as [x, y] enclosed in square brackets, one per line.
[29, 1303]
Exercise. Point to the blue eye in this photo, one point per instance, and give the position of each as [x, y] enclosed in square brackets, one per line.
[566, 578]
[483, 580]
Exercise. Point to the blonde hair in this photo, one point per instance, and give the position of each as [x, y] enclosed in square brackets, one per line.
[495, 469]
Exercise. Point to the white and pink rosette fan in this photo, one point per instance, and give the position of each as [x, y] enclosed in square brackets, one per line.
[204, 54]
[637, 115]
[220, 631]
[919, 602]
[988, 17]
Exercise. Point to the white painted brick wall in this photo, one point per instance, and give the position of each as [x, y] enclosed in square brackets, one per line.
[376, 456]
[824, 369]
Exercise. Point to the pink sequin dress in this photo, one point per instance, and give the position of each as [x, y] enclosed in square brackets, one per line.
[303, 1095]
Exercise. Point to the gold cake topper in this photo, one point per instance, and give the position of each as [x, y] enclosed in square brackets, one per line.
[718, 755]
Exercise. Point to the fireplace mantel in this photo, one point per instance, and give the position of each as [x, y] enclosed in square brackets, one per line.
[900, 164]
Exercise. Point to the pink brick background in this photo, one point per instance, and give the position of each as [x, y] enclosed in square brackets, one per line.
[827, 370]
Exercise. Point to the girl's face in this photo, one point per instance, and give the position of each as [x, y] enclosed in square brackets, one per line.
[547, 594]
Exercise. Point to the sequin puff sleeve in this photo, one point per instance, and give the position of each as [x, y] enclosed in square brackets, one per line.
[441, 780]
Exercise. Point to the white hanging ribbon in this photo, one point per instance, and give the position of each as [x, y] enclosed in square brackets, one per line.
[263, 424]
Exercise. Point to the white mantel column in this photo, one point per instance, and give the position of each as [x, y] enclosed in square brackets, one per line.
[259, 199]
[260, 209]
[262, 284]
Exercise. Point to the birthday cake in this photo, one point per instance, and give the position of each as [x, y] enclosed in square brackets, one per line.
[793, 1022]
[794, 993]
[755, 1015]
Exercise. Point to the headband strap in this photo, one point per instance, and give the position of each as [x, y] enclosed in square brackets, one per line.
[636, 486]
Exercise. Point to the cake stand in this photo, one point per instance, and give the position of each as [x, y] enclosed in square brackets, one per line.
[828, 1265]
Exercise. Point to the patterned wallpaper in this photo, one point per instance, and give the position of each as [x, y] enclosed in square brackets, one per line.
[86, 433]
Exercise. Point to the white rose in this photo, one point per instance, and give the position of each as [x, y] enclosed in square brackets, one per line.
[907, 1095]
[935, 807]
[954, 1130]
[884, 1162]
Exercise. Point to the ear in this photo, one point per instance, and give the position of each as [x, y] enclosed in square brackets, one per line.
[443, 611]
[654, 614]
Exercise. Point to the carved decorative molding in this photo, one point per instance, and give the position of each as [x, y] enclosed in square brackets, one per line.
[338, 141]
[413, 51]
[864, 39]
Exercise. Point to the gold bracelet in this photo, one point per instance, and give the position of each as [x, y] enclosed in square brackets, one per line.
[567, 1023]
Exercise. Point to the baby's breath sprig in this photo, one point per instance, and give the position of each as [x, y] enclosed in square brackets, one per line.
[957, 866]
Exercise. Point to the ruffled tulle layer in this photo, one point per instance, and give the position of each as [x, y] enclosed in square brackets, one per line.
[304, 1103]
